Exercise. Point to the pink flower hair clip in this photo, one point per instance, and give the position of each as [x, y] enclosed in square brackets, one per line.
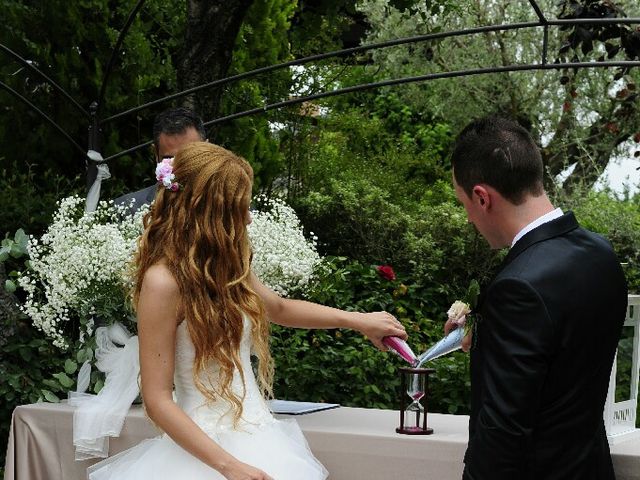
[165, 176]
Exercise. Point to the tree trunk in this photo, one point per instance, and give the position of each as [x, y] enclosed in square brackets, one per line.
[211, 31]
[592, 154]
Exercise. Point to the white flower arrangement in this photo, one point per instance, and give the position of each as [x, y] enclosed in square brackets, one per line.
[458, 312]
[78, 269]
[284, 260]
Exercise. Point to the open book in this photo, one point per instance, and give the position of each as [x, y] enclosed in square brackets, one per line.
[290, 407]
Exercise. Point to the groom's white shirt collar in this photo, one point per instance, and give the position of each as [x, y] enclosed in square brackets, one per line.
[547, 217]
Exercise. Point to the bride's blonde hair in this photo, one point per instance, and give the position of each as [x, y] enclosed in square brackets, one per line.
[200, 233]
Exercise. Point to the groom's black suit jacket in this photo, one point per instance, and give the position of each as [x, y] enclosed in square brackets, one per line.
[546, 333]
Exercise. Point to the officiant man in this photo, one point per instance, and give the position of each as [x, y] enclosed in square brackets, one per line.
[547, 325]
[172, 129]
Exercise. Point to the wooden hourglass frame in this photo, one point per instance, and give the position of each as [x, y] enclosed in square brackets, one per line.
[419, 426]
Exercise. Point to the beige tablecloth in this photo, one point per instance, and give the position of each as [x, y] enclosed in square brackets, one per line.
[353, 443]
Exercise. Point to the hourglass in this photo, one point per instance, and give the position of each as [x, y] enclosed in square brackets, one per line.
[413, 413]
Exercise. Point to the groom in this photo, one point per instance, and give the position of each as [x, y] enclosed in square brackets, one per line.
[172, 129]
[548, 324]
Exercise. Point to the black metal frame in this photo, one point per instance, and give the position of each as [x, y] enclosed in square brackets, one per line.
[96, 122]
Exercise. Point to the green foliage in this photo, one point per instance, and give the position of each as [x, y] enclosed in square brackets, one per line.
[431, 241]
[72, 43]
[28, 367]
[262, 41]
[29, 361]
[583, 116]
[367, 172]
[383, 141]
[30, 193]
[618, 220]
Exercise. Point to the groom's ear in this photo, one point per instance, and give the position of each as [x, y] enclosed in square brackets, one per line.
[482, 196]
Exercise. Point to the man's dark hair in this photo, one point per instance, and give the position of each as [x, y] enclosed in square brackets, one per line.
[500, 153]
[175, 121]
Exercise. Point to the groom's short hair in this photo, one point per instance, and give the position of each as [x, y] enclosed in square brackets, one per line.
[175, 121]
[498, 152]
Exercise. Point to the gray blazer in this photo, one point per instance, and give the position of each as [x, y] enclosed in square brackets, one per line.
[137, 199]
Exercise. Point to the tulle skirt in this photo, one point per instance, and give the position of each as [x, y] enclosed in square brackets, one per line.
[278, 448]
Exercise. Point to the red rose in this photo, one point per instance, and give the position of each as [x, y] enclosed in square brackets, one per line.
[612, 127]
[386, 272]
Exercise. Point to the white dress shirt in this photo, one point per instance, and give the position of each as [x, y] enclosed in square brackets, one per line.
[547, 217]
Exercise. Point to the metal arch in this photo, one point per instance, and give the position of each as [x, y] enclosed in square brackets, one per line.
[545, 33]
[544, 65]
[375, 46]
[424, 78]
[32, 67]
[322, 56]
[543, 22]
[399, 81]
[116, 50]
[538, 11]
[92, 115]
[43, 115]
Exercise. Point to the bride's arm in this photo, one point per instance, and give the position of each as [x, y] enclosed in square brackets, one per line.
[301, 314]
[157, 324]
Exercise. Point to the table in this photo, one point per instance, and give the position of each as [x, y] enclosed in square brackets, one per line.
[353, 443]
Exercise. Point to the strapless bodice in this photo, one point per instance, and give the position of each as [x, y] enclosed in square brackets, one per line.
[217, 416]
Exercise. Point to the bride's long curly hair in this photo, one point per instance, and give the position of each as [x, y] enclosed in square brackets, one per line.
[200, 233]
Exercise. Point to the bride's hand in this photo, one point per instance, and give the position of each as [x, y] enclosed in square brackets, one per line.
[242, 471]
[377, 325]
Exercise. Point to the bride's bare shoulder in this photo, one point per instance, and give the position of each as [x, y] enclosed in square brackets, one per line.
[158, 280]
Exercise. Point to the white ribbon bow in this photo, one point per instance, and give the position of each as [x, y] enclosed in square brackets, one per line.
[98, 417]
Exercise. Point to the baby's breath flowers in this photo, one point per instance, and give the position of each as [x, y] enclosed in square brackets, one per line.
[284, 259]
[78, 269]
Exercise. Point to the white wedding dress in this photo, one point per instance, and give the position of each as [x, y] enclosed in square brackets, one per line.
[277, 447]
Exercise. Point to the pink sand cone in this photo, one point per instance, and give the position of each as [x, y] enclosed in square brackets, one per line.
[401, 347]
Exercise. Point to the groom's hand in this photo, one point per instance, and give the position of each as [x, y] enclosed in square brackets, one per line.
[466, 341]
[377, 325]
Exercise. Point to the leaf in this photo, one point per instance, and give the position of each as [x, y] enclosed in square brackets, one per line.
[9, 286]
[472, 293]
[98, 386]
[587, 47]
[21, 238]
[612, 52]
[84, 355]
[64, 380]
[50, 397]
[26, 354]
[70, 366]
[16, 251]
[565, 48]
[51, 384]
[14, 381]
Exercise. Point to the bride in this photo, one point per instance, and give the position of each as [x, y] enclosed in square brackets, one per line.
[202, 314]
